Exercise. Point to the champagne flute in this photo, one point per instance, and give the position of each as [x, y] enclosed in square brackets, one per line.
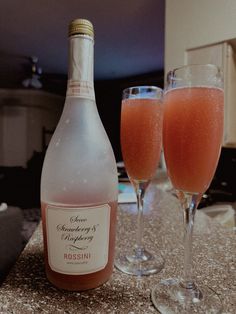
[192, 137]
[141, 138]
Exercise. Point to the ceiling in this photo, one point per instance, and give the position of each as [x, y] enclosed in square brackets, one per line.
[129, 35]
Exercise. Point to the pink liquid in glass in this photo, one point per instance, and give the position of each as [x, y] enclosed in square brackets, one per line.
[141, 136]
[192, 136]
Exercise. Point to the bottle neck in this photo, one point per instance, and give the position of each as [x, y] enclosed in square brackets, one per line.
[80, 74]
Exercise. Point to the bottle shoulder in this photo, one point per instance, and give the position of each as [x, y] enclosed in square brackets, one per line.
[79, 124]
[79, 159]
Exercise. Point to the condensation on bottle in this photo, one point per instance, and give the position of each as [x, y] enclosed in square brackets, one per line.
[79, 180]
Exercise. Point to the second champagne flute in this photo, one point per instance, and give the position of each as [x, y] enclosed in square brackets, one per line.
[192, 137]
[141, 137]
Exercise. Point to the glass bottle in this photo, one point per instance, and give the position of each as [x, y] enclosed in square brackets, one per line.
[79, 180]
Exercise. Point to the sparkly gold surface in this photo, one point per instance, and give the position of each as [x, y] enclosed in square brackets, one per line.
[26, 290]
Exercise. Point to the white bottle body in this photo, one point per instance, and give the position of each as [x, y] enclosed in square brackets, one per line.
[79, 185]
[79, 160]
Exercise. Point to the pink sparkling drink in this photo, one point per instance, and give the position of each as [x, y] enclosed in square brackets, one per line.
[141, 136]
[192, 136]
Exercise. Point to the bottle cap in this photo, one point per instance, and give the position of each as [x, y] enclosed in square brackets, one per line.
[81, 26]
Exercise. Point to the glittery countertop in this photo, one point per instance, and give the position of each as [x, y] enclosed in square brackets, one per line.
[26, 289]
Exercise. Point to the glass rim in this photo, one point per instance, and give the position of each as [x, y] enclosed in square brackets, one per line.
[139, 89]
[194, 65]
[189, 76]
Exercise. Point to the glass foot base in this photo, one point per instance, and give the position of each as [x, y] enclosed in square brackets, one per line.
[170, 297]
[139, 264]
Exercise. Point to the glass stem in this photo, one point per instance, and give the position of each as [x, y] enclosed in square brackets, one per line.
[189, 204]
[140, 189]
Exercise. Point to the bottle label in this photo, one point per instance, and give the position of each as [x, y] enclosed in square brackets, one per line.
[82, 89]
[78, 238]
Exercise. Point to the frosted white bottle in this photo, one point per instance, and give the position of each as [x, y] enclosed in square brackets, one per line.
[79, 180]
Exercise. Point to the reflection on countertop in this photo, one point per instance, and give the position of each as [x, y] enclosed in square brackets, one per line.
[27, 290]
